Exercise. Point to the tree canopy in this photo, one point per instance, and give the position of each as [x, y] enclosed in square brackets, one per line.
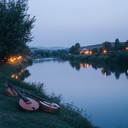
[107, 46]
[15, 27]
[117, 45]
[75, 49]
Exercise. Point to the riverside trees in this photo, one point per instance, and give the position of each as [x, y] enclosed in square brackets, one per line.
[15, 27]
[75, 49]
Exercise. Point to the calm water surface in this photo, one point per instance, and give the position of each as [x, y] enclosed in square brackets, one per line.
[105, 99]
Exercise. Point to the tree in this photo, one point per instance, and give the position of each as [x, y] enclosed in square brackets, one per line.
[117, 45]
[15, 27]
[95, 50]
[126, 45]
[107, 46]
[75, 49]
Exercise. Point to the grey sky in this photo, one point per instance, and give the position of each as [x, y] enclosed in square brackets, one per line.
[66, 22]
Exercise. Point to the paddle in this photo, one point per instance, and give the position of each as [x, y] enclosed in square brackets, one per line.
[44, 104]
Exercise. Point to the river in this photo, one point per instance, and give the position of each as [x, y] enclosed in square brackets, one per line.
[103, 95]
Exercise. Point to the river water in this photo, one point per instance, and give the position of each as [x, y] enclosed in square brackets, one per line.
[104, 96]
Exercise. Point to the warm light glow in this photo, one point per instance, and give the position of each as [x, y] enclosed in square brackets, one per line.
[13, 76]
[86, 52]
[90, 52]
[104, 51]
[16, 77]
[126, 48]
[14, 59]
[19, 57]
[11, 59]
[84, 65]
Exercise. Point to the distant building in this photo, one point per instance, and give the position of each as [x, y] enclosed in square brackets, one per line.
[87, 50]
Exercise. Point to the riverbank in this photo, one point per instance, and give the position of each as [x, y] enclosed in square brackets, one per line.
[12, 116]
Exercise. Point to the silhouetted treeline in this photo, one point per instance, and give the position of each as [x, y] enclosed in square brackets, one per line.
[49, 53]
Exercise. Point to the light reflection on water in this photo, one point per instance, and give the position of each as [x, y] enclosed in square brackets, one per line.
[105, 99]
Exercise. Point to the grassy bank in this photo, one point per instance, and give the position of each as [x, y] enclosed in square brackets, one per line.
[12, 116]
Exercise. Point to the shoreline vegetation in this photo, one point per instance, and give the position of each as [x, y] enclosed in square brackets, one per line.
[11, 116]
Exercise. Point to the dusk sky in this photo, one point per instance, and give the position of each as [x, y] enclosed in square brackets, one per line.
[66, 22]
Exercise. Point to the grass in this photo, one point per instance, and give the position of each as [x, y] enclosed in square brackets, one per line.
[12, 116]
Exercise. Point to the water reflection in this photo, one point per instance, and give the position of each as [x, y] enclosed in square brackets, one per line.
[46, 60]
[75, 65]
[106, 70]
[21, 75]
[85, 65]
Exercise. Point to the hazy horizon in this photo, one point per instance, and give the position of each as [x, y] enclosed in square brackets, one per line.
[64, 23]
